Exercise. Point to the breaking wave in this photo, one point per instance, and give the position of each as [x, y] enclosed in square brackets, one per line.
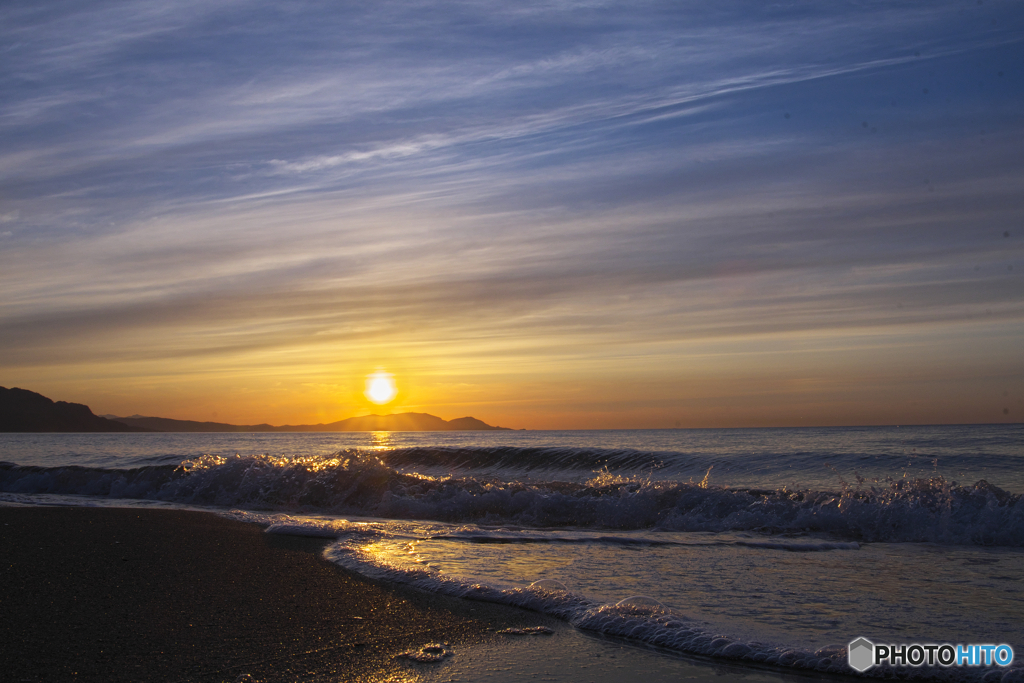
[928, 509]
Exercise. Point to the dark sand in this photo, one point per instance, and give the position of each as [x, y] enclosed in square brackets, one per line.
[109, 594]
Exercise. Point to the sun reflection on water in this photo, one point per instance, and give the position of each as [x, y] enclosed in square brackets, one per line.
[380, 441]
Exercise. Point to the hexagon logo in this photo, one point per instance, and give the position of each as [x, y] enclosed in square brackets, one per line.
[861, 654]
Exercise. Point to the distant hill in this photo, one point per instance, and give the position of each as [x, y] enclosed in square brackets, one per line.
[26, 411]
[166, 424]
[402, 422]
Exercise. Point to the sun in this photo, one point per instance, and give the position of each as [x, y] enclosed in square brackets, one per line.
[380, 387]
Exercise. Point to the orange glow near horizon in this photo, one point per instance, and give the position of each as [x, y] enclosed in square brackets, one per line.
[788, 380]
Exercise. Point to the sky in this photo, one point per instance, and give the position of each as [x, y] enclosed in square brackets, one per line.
[546, 215]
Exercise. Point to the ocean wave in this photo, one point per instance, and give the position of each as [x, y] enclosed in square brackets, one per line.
[141, 482]
[532, 459]
[929, 509]
[522, 537]
[637, 618]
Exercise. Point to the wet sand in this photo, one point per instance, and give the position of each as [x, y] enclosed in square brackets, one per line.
[106, 594]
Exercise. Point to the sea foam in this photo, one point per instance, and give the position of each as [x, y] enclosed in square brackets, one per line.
[927, 509]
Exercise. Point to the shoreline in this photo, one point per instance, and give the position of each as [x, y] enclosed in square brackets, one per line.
[180, 596]
[121, 594]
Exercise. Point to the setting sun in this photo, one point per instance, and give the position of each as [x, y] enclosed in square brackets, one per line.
[380, 388]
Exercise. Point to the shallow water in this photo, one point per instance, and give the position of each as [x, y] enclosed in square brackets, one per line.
[796, 591]
[573, 656]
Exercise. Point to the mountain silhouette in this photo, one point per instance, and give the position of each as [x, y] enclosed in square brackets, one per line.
[402, 422]
[22, 410]
[26, 411]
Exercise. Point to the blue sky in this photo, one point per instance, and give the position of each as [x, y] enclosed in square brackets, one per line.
[578, 214]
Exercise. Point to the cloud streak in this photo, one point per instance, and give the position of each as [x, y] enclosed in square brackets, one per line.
[547, 183]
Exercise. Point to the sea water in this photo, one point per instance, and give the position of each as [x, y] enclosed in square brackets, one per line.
[767, 547]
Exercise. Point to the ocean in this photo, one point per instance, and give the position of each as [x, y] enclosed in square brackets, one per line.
[767, 548]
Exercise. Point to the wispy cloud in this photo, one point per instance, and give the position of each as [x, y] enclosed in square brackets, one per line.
[574, 181]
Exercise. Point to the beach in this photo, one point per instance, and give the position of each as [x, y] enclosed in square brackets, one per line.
[123, 594]
[166, 595]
